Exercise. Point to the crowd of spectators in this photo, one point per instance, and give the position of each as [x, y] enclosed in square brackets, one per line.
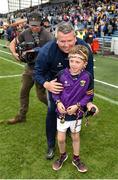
[99, 17]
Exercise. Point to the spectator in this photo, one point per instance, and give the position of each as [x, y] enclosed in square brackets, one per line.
[89, 36]
[1, 32]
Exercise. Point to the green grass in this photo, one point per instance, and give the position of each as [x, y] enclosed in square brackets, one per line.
[23, 146]
[106, 71]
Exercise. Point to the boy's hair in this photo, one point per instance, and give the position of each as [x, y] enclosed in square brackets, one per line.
[64, 27]
[81, 50]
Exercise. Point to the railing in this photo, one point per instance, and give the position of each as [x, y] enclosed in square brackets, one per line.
[105, 44]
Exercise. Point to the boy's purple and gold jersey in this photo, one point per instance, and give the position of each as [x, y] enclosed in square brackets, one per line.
[77, 89]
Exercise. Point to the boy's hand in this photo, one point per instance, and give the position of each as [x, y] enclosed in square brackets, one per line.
[90, 105]
[61, 108]
[72, 109]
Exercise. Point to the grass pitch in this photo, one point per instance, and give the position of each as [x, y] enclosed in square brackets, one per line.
[23, 146]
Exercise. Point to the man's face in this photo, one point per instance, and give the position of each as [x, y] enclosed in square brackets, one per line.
[66, 41]
[35, 28]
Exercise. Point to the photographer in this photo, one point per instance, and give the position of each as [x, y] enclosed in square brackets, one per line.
[34, 36]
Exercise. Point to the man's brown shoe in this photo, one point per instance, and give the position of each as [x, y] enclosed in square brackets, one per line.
[15, 120]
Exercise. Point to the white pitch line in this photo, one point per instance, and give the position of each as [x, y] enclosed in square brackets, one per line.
[6, 52]
[7, 76]
[2, 45]
[102, 82]
[112, 85]
[11, 61]
[97, 95]
[106, 99]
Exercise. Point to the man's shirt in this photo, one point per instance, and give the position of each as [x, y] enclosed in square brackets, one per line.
[51, 60]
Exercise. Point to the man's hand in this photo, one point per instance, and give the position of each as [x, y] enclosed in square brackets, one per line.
[12, 47]
[53, 86]
[90, 105]
[16, 55]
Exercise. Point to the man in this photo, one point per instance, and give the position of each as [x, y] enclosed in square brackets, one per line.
[38, 36]
[54, 57]
[89, 36]
[46, 24]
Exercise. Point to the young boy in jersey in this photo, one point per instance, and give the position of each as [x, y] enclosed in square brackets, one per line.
[77, 92]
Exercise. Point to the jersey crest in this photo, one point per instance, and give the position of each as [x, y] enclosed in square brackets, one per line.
[82, 83]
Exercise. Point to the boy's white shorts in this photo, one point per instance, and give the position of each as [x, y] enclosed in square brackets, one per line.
[62, 127]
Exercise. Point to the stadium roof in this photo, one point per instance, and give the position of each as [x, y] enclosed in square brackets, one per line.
[13, 5]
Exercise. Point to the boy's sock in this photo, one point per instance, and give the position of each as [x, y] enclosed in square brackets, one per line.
[76, 157]
[63, 154]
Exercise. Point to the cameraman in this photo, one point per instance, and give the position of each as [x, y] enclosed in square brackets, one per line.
[37, 35]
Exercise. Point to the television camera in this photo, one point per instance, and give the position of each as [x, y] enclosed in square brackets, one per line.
[26, 52]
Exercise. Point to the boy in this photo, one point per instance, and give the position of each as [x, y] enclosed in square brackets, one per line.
[77, 92]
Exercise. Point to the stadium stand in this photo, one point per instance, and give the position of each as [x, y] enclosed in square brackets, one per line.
[101, 16]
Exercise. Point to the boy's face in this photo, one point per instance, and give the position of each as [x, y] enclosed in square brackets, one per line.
[76, 63]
